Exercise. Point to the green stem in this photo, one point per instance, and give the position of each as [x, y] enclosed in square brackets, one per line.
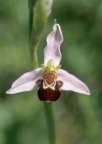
[30, 5]
[33, 51]
[34, 41]
[50, 122]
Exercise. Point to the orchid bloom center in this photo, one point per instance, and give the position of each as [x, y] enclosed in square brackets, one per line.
[50, 75]
[49, 86]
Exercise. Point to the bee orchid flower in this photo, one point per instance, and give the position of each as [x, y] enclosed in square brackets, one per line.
[50, 79]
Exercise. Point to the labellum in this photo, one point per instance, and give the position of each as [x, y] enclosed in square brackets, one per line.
[49, 87]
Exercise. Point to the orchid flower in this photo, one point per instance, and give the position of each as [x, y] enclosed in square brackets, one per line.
[50, 79]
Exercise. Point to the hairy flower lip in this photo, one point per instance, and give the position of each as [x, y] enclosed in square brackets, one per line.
[62, 79]
[49, 94]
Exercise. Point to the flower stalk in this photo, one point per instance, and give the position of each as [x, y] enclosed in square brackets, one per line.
[37, 22]
[50, 122]
[34, 37]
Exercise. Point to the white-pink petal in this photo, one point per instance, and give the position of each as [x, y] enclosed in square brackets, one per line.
[26, 82]
[70, 82]
[52, 50]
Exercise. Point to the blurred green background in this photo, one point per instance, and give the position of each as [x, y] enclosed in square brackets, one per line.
[78, 118]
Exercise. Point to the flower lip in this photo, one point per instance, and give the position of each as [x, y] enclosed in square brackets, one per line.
[48, 94]
[49, 79]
